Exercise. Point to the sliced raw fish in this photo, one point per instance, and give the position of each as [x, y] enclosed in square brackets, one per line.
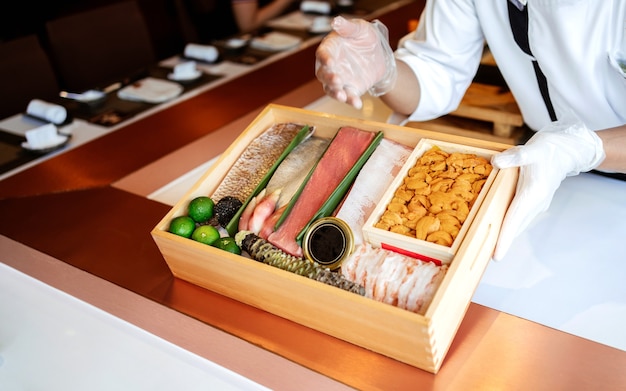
[367, 190]
[392, 278]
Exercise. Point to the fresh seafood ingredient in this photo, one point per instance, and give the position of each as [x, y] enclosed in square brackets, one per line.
[367, 190]
[251, 167]
[341, 156]
[265, 206]
[304, 133]
[294, 169]
[270, 222]
[244, 219]
[263, 251]
[436, 196]
[394, 279]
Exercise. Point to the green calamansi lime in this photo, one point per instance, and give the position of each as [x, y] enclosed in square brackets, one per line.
[228, 244]
[183, 226]
[206, 234]
[200, 209]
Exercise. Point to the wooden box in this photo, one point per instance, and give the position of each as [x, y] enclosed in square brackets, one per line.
[416, 248]
[418, 340]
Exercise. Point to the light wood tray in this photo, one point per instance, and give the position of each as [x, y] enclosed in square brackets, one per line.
[421, 341]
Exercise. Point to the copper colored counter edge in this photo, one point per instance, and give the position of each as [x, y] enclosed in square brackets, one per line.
[492, 350]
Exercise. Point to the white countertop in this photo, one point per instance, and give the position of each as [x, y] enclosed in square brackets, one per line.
[568, 270]
[85, 348]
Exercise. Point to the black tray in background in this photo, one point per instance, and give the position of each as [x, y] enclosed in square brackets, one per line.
[113, 110]
[12, 155]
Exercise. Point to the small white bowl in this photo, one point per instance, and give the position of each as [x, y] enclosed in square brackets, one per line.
[190, 76]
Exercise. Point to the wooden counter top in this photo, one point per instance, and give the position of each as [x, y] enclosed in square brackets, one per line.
[81, 222]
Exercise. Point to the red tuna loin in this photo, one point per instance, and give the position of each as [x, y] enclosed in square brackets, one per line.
[342, 154]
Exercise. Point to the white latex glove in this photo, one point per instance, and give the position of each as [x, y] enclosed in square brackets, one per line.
[356, 58]
[563, 148]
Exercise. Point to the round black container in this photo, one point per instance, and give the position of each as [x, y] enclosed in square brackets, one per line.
[328, 241]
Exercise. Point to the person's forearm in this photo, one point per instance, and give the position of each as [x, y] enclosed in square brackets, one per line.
[272, 10]
[614, 142]
[405, 95]
[250, 16]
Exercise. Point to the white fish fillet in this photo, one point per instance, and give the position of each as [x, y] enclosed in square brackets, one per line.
[368, 189]
[293, 170]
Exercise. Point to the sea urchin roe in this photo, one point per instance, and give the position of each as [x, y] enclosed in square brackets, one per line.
[436, 196]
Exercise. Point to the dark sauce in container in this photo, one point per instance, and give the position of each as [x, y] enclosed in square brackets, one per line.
[328, 241]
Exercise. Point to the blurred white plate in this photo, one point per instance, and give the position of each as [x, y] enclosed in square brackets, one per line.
[57, 142]
[151, 90]
[275, 41]
[320, 29]
[186, 77]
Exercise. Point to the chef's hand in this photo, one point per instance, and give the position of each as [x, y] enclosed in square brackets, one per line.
[562, 148]
[354, 59]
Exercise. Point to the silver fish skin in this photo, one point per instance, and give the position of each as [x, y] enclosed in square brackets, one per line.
[251, 167]
[293, 170]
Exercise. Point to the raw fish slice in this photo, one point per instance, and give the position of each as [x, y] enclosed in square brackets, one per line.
[406, 287]
[270, 222]
[393, 278]
[372, 269]
[391, 270]
[257, 159]
[360, 271]
[293, 170]
[342, 154]
[368, 189]
[414, 299]
[244, 220]
[430, 290]
[263, 210]
[383, 275]
[348, 267]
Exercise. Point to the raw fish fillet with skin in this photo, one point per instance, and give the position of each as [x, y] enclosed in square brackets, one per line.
[342, 154]
[259, 156]
[293, 170]
[368, 189]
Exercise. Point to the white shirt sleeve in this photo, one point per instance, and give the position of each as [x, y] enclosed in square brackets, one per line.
[444, 53]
